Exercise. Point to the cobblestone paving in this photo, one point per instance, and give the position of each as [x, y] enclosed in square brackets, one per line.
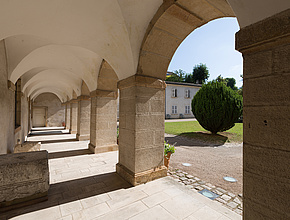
[228, 199]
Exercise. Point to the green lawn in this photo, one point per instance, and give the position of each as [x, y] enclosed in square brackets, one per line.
[193, 129]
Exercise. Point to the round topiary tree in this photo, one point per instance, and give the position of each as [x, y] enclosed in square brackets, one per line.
[217, 107]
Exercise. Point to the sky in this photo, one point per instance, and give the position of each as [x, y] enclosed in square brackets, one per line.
[214, 45]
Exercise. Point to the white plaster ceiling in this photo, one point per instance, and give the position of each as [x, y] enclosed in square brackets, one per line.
[74, 35]
[252, 11]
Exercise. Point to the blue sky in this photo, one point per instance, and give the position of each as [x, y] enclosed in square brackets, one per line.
[214, 45]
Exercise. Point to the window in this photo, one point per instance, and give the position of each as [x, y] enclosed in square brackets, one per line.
[174, 93]
[187, 109]
[174, 109]
[187, 93]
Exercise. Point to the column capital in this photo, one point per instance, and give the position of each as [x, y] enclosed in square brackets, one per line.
[72, 101]
[11, 86]
[143, 81]
[104, 93]
[270, 32]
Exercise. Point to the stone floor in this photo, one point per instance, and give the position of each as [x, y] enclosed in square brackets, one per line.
[85, 186]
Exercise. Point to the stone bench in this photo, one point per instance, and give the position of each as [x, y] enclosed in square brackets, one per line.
[27, 147]
[24, 179]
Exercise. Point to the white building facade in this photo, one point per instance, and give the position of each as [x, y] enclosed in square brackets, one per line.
[178, 97]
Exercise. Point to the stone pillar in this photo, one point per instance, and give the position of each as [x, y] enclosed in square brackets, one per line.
[141, 129]
[103, 129]
[73, 116]
[266, 50]
[84, 111]
[67, 116]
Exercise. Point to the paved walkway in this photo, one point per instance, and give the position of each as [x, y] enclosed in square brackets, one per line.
[85, 186]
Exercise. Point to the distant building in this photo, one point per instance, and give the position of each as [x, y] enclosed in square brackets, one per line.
[178, 97]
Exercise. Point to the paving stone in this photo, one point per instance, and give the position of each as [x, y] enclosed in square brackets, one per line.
[231, 194]
[195, 184]
[233, 205]
[205, 213]
[210, 185]
[217, 192]
[180, 174]
[236, 200]
[156, 212]
[189, 186]
[240, 212]
[222, 190]
[206, 187]
[175, 176]
[70, 207]
[197, 179]
[186, 182]
[185, 173]
[225, 197]
[201, 182]
[191, 180]
[155, 199]
[189, 176]
[198, 188]
[241, 195]
[221, 200]
[183, 178]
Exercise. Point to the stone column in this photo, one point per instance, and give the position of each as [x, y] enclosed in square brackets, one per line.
[73, 116]
[84, 111]
[103, 130]
[141, 129]
[67, 115]
[266, 50]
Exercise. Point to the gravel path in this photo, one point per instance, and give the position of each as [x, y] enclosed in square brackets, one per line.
[209, 162]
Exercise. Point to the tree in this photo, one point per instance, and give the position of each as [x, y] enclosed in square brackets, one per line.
[217, 107]
[229, 82]
[199, 75]
[177, 76]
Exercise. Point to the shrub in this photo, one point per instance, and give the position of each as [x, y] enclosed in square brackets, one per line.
[168, 148]
[217, 107]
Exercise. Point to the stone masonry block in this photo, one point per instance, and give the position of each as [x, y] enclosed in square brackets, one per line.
[278, 162]
[267, 126]
[258, 64]
[269, 192]
[271, 90]
[24, 176]
[148, 157]
[281, 59]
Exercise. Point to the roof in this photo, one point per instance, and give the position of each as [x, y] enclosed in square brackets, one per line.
[183, 84]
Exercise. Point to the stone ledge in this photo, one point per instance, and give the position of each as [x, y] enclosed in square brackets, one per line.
[25, 178]
[83, 97]
[103, 149]
[142, 177]
[143, 81]
[274, 30]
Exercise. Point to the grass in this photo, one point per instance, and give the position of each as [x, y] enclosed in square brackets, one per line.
[194, 130]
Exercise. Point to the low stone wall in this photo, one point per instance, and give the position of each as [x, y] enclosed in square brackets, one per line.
[27, 147]
[24, 178]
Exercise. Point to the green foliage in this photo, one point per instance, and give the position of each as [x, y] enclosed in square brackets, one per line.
[217, 107]
[177, 76]
[229, 82]
[199, 75]
[168, 148]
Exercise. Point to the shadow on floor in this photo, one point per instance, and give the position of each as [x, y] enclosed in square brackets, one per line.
[46, 133]
[58, 141]
[70, 153]
[73, 190]
[197, 139]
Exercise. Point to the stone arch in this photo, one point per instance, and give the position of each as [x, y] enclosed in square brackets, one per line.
[50, 75]
[62, 96]
[172, 23]
[82, 62]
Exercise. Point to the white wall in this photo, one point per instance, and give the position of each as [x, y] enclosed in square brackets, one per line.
[180, 101]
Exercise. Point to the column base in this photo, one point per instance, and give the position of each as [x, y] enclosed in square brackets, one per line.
[72, 132]
[83, 137]
[142, 177]
[103, 149]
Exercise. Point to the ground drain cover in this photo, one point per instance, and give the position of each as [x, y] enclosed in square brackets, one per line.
[208, 194]
[230, 179]
[186, 164]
